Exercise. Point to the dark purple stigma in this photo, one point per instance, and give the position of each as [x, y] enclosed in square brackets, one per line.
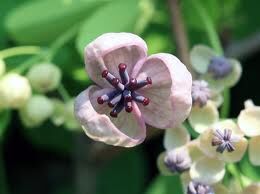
[124, 91]
[223, 140]
[219, 67]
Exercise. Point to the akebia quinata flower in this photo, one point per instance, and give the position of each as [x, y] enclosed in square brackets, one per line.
[219, 71]
[131, 90]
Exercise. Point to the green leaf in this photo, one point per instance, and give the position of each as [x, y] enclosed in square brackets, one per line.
[125, 174]
[43, 21]
[51, 138]
[252, 172]
[117, 16]
[165, 185]
[5, 117]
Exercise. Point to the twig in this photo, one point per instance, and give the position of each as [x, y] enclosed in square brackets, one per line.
[179, 34]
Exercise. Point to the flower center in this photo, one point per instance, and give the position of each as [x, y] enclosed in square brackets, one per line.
[220, 67]
[125, 91]
[200, 93]
[223, 140]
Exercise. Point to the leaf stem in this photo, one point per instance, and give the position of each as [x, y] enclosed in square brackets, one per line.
[215, 43]
[209, 26]
[20, 50]
[49, 53]
[179, 32]
[224, 111]
[62, 40]
[64, 93]
[234, 171]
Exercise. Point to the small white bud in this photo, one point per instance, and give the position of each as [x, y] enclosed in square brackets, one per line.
[44, 77]
[15, 90]
[58, 116]
[2, 67]
[37, 110]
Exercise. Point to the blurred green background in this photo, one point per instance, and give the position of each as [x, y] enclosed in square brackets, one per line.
[54, 160]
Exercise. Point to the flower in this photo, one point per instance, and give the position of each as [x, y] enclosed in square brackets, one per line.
[220, 72]
[37, 110]
[202, 168]
[44, 77]
[224, 140]
[177, 160]
[15, 91]
[155, 89]
[200, 93]
[249, 122]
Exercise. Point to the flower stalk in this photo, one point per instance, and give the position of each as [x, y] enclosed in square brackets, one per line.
[179, 33]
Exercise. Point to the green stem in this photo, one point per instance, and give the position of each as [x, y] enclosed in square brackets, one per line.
[224, 111]
[209, 26]
[234, 171]
[28, 63]
[60, 41]
[3, 181]
[20, 50]
[215, 43]
[64, 93]
[49, 54]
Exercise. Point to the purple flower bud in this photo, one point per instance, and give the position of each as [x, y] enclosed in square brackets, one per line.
[177, 161]
[200, 92]
[199, 188]
[219, 67]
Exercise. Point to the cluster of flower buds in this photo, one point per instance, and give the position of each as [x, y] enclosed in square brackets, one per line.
[26, 94]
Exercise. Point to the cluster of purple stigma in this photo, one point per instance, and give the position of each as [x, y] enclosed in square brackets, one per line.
[124, 91]
[223, 140]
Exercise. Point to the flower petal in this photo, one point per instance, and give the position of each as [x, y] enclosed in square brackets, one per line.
[249, 121]
[201, 118]
[229, 81]
[237, 155]
[127, 130]
[170, 92]
[174, 138]
[207, 170]
[109, 50]
[194, 150]
[200, 57]
[254, 151]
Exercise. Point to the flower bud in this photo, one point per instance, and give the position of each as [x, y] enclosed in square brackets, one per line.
[15, 90]
[177, 160]
[198, 188]
[44, 77]
[37, 110]
[200, 93]
[2, 67]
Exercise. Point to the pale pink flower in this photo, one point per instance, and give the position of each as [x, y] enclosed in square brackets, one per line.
[155, 90]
